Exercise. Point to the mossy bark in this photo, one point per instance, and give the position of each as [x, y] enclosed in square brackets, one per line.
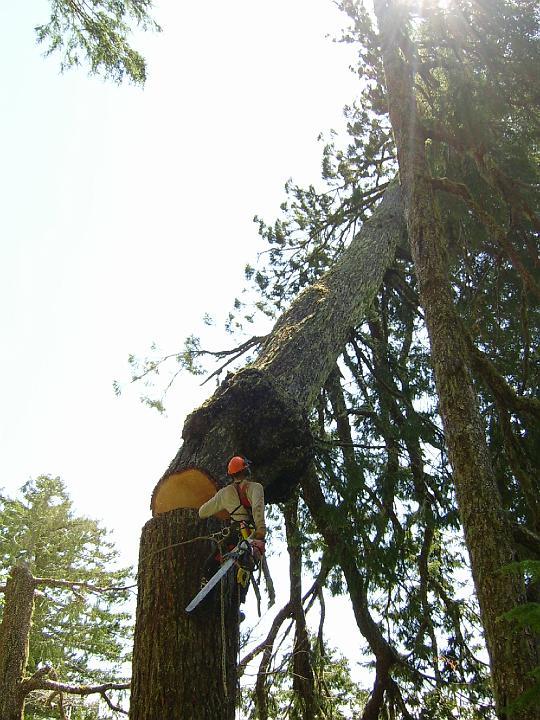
[487, 532]
[306, 341]
[260, 412]
[14, 633]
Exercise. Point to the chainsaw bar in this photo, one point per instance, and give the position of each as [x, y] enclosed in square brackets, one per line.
[232, 557]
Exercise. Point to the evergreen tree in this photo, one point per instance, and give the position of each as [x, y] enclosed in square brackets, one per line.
[82, 635]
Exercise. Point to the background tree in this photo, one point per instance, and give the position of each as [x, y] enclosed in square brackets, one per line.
[486, 528]
[79, 634]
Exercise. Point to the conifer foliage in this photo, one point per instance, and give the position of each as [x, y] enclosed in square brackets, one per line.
[97, 33]
[79, 632]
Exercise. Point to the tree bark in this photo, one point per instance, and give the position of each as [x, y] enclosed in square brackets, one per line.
[259, 412]
[14, 632]
[487, 532]
[195, 678]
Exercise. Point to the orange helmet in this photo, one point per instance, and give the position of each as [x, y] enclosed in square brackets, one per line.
[237, 464]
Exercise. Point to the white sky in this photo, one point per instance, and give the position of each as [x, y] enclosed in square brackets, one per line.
[127, 215]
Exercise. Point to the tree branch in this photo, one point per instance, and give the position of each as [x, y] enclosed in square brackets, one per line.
[38, 682]
[462, 191]
[503, 392]
[53, 582]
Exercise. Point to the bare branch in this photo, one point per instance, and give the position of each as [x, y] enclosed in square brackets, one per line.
[268, 642]
[40, 683]
[53, 582]
[113, 707]
[234, 354]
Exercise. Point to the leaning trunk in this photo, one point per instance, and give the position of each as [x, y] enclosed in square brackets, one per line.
[260, 412]
[487, 533]
[14, 632]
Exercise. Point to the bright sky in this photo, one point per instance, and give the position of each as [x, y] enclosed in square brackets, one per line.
[127, 215]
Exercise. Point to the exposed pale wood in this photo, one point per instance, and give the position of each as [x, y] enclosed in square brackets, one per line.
[189, 488]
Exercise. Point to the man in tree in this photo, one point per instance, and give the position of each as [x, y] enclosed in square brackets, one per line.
[243, 499]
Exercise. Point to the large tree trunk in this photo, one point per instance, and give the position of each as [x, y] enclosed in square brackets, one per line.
[260, 412]
[487, 532]
[187, 682]
[14, 633]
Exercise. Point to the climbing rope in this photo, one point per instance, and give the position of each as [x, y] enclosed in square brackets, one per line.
[223, 640]
[217, 537]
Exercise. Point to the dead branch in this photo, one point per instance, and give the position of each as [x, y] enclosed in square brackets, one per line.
[72, 585]
[40, 683]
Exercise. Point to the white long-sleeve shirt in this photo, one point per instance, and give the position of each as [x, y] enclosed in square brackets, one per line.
[227, 499]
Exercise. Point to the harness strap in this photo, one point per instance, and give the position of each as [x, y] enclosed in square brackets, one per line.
[242, 496]
[244, 500]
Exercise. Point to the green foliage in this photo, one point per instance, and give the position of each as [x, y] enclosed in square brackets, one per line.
[384, 472]
[527, 615]
[82, 635]
[338, 695]
[97, 33]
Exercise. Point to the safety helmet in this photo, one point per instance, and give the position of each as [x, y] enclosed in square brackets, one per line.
[237, 464]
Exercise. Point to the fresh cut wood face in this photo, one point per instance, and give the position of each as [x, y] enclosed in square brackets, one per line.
[188, 488]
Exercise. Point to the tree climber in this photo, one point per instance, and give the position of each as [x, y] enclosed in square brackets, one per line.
[243, 499]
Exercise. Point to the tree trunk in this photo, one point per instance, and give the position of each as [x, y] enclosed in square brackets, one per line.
[260, 412]
[175, 676]
[487, 532]
[14, 632]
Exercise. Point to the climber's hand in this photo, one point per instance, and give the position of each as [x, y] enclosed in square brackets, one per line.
[258, 548]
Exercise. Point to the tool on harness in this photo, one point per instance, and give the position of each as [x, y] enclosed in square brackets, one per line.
[242, 576]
